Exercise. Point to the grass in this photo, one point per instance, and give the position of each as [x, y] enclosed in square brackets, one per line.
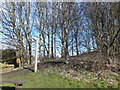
[48, 80]
[104, 80]
[51, 79]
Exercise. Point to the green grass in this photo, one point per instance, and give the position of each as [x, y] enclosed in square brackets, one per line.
[48, 80]
[51, 79]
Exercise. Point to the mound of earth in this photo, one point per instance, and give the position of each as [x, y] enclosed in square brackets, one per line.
[92, 61]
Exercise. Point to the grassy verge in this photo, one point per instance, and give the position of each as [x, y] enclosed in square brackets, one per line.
[51, 79]
[45, 80]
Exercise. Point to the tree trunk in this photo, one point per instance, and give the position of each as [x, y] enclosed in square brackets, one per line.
[48, 44]
[63, 48]
[66, 49]
[30, 53]
[76, 41]
[52, 43]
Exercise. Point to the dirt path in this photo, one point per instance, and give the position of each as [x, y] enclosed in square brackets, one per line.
[24, 71]
[27, 69]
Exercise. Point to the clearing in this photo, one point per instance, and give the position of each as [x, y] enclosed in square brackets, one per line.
[79, 72]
